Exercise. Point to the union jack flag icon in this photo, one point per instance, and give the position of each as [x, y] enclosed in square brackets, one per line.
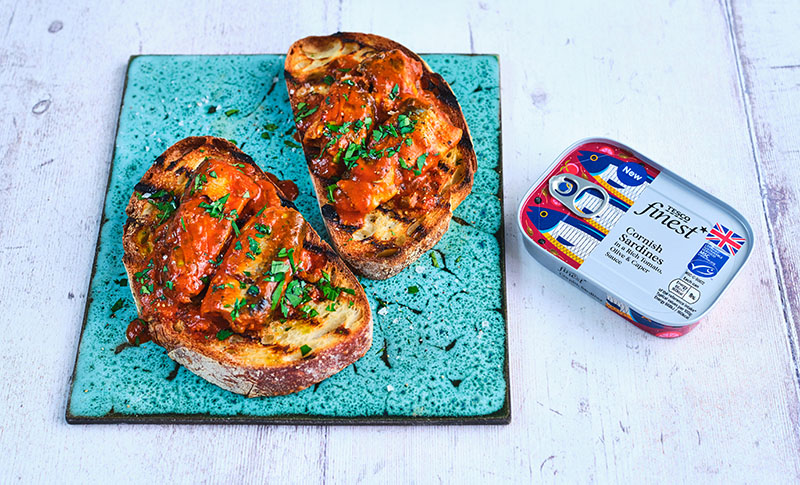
[727, 240]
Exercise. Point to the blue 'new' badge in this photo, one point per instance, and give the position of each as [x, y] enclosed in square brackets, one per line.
[708, 261]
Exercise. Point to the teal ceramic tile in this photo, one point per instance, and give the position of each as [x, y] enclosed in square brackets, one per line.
[439, 350]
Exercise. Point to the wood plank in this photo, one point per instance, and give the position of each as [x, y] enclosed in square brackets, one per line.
[765, 37]
[594, 399]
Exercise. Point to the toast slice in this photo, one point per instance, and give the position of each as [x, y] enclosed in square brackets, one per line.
[386, 143]
[231, 280]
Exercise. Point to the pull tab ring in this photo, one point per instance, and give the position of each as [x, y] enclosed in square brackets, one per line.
[578, 195]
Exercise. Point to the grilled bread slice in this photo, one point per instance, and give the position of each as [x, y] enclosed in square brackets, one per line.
[386, 144]
[231, 280]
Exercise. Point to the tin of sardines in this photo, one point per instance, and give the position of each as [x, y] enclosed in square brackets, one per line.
[651, 246]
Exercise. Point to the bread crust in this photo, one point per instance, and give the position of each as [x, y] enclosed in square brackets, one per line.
[369, 257]
[240, 364]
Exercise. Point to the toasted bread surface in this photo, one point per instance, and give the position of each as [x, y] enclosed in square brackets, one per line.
[308, 315]
[391, 235]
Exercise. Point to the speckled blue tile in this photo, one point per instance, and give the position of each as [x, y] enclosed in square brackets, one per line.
[438, 355]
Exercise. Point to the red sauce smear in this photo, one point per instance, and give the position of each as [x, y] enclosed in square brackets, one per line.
[226, 255]
[137, 332]
[378, 136]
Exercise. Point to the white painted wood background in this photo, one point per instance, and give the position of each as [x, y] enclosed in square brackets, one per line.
[711, 89]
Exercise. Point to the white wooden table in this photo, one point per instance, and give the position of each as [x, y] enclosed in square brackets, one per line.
[709, 89]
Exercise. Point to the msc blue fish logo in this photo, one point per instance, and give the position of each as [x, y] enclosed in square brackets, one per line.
[703, 270]
[545, 220]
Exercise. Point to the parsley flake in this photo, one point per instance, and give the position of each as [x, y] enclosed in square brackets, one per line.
[237, 307]
[253, 244]
[223, 334]
[216, 208]
[117, 305]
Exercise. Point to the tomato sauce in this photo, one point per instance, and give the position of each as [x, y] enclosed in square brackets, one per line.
[137, 332]
[227, 256]
[376, 136]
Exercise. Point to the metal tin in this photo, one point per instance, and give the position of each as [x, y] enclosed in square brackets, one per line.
[652, 247]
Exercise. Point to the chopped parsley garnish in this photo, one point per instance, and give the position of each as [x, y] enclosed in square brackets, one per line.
[146, 289]
[222, 287]
[344, 70]
[212, 174]
[238, 245]
[270, 127]
[279, 267]
[290, 252]
[420, 163]
[262, 228]
[253, 244]
[309, 312]
[199, 180]
[328, 79]
[349, 82]
[276, 295]
[294, 293]
[246, 194]
[391, 151]
[253, 290]
[169, 284]
[237, 307]
[183, 224]
[235, 228]
[223, 334]
[231, 112]
[403, 163]
[117, 305]
[142, 276]
[165, 207]
[303, 111]
[305, 349]
[218, 261]
[413, 290]
[265, 135]
[330, 291]
[405, 124]
[331, 307]
[434, 261]
[290, 143]
[330, 189]
[353, 152]
[261, 211]
[216, 208]
[394, 92]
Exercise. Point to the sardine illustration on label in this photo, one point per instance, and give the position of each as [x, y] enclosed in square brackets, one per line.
[652, 247]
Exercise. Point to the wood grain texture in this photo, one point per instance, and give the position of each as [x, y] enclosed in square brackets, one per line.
[768, 47]
[594, 399]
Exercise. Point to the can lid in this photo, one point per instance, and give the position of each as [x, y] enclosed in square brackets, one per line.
[659, 245]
